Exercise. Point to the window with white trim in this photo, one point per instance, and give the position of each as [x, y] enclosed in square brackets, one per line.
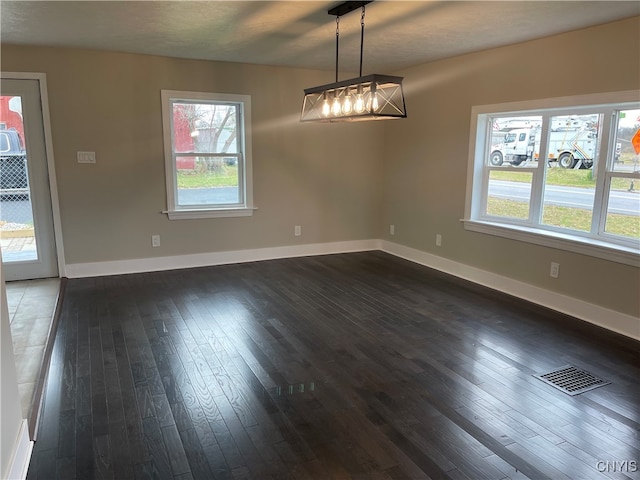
[207, 142]
[559, 172]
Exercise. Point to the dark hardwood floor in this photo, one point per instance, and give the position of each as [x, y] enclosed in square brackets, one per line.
[358, 366]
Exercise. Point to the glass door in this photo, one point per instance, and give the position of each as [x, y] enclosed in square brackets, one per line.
[26, 221]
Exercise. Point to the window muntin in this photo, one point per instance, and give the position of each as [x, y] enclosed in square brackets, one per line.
[207, 154]
[570, 196]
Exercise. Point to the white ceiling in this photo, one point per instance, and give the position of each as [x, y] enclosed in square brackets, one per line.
[299, 33]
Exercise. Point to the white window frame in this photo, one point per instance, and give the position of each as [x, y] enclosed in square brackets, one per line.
[245, 206]
[597, 242]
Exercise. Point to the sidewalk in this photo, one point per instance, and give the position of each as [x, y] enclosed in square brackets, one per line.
[17, 249]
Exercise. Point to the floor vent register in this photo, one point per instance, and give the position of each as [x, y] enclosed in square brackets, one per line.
[571, 380]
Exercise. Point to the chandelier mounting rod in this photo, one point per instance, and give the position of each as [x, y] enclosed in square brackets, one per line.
[346, 7]
[343, 9]
[337, 42]
[361, 38]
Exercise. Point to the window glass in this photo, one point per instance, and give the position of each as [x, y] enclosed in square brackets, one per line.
[569, 186]
[513, 141]
[623, 205]
[205, 127]
[204, 180]
[622, 208]
[207, 180]
[509, 194]
[625, 158]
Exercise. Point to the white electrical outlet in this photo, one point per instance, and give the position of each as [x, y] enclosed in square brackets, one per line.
[297, 230]
[438, 240]
[392, 229]
[155, 240]
[555, 270]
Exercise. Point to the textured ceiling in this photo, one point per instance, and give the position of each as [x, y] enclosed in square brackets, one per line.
[301, 33]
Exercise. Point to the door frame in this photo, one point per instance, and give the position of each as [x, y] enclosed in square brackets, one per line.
[48, 146]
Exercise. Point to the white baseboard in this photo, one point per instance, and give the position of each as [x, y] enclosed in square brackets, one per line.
[22, 454]
[97, 269]
[603, 317]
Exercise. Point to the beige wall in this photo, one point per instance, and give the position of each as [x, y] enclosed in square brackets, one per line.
[427, 155]
[323, 177]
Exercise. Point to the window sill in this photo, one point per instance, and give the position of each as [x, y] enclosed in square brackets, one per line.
[209, 213]
[561, 241]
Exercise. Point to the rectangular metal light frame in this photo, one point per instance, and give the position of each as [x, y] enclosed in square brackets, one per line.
[386, 89]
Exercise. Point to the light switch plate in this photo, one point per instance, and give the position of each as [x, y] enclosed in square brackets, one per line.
[86, 157]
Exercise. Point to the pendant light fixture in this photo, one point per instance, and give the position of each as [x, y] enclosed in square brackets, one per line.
[372, 97]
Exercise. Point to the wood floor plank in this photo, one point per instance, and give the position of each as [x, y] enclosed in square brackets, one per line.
[158, 464]
[196, 456]
[227, 445]
[359, 366]
[85, 466]
[66, 468]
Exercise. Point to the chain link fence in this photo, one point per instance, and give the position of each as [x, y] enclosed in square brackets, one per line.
[14, 191]
[16, 214]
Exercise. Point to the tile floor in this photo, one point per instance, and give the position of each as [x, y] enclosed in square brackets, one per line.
[31, 307]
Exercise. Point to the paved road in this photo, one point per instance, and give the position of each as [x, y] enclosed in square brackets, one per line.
[626, 203]
[207, 196]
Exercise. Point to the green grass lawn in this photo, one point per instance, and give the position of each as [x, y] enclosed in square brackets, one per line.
[227, 176]
[565, 217]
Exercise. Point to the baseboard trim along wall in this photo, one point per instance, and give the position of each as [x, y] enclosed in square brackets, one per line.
[21, 455]
[603, 317]
[156, 264]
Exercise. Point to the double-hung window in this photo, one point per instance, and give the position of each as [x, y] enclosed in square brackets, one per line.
[559, 172]
[207, 142]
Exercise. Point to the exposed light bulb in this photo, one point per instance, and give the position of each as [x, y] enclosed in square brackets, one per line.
[359, 104]
[347, 105]
[374, 101]
[335, 108]
[326, 109]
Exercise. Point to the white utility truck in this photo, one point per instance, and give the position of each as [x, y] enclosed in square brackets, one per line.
[570, 148]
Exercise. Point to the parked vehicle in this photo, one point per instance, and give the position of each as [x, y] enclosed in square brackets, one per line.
[515, 148]
[567, 147]
[14, 178]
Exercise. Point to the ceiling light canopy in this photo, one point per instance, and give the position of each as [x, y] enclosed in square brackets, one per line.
[370, 97]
